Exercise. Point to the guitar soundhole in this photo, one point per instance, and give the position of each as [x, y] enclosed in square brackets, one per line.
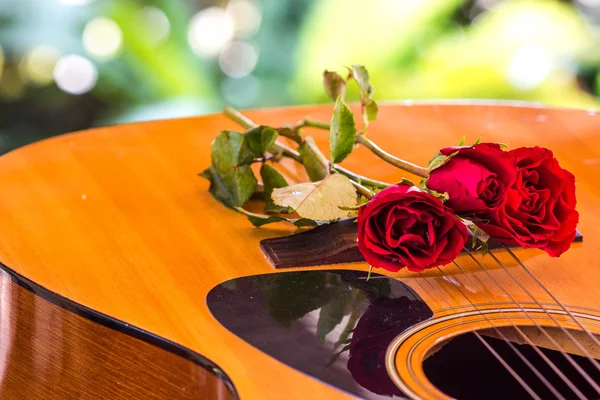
[464, 369]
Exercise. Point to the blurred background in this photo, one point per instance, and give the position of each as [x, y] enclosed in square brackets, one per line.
[67, 65]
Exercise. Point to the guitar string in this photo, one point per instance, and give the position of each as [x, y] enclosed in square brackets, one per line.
[529, 341]
[566, 355]
[590, 334]
[541, 329]
[501, 334]
[559, 325]
[498, 357]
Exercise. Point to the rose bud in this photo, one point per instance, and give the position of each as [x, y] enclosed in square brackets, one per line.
[540, 207]
[405, 226]
[476, 178]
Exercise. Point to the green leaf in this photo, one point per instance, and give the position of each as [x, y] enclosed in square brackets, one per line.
[217, 187]
[352, 208]
[334, 84]
[267, 219]
[484, 249]
[302, 222]
[259, 220]
[260, 139]
[233, 188]
[330, 316]
[439, 160]
[272, 179]
[477, 233]
[462, 141]
[477, 141]
[405, 181]
[319, 201]
[315, 163]
[361, 76]
[230, 150]
[232, 181]
[474, 229]
[372, 110]
[369, 106]
[342, 134]
[288, 132]
[441, 196]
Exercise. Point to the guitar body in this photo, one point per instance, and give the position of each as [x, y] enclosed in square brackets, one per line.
[110, 238]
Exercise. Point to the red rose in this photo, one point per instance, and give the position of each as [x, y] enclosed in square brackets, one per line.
[540, 208]
[476, 178]
[381, 323]
[405, 226]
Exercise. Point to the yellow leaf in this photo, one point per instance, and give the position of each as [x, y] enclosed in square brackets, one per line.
[320, 201]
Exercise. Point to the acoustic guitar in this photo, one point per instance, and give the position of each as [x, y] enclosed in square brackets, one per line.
[122, 278]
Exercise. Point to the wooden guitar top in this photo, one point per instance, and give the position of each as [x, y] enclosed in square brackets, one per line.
[116, 219]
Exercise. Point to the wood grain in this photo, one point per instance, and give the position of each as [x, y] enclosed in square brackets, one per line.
[117, 220]
[47, 351]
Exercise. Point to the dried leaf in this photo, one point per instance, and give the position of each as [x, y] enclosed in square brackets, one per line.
[342, 134]
[334, 84]
[319, 201]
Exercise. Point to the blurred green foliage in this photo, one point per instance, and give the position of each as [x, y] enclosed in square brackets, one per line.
[534, 50]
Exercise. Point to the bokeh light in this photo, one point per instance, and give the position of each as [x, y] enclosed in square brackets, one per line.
[488, 4]
[37, 67]
[528, 67]
[238, 59]
[246, 16]
[241, 92]
[102, 38]
[157, 24]
[590, 3]
[75, 74]
[75, 2]
[210, 31]
[11, 84]
[1, 61]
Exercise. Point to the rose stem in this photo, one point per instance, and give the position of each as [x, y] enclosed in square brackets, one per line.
[362, 190]
[361, 139]
[310, 123]
[361, 179]
[288, 152]
[238, 117]
[395, 161]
